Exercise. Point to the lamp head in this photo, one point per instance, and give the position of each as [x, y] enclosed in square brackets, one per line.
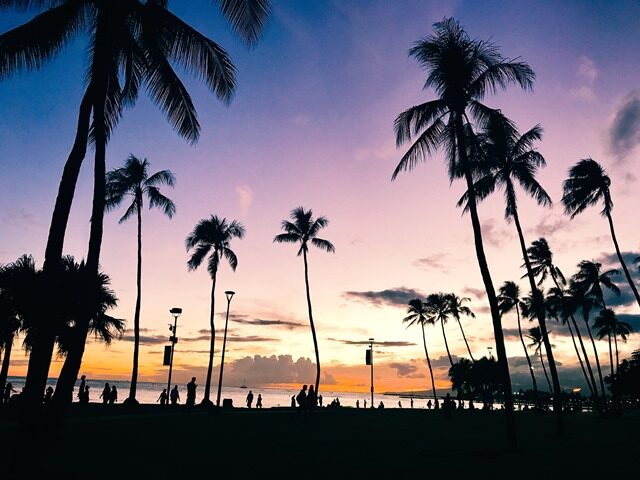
[229, 294]
[175, 311]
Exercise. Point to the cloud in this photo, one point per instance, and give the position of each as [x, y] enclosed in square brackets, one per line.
[365, 342]
[272, 323]
[443, 361]
[624, 134]
[549, 224]
[476, 292]
[494, 234]
[587, 74]
[147, 339]
[274, 369]
[245, 197]
[626, 297]
[433, 262]
[393, 296]
[406, 370]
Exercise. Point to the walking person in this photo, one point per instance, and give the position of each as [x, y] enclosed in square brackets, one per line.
[106, 393]
[85, 396]
[301, 398]
[113, 397]
[259, 402]
[175, 395]
[249, 399]
[191, 392]
[163, 398]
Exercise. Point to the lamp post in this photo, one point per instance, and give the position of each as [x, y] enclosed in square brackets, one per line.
[371, 358]
[175, 312]
[229, 294]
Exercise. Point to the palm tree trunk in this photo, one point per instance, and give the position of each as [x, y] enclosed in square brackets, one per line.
[491, 293]
[465, 341]
[575, 347]
[136, 315]
[313, 328]
[4, 371]
[426, 353]
[212, 326]
[446, 344]
[622, 262]
[526, 354]
[610, 355]
[595, 352]
[42, 350]
[69, 372]
[540, 314]
[544, 369]
[615, 339]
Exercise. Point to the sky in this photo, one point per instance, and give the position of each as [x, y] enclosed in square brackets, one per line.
[311, 124]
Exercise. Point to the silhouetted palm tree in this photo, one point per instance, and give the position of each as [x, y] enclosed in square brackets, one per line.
[439, 310]
[509, 159]
[304, 229]
[587, 185]
[457, 309]
[9, 327]
[607, 324]
[133, 181]
[509, 299]
[418, 314]
[212, 236]
[462, 71]
[535, 335]
[138, 42]
[462, 378]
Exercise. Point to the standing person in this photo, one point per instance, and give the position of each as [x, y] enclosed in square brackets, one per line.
[320, 400]
[293, 401]
[106, 393]
[301, 398]
[249, 399]
[191, 392]
[411, 402]
[429, 404]
[8, 390]
[48, 394]
[83, 384]
[311, 398]
[175, 395]
[85, 395]
[259, 402]
[365, 403]
[399, 404]
[113, 397]
[357, 403]
[163, 397]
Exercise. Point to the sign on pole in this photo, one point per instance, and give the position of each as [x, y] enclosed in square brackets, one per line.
[167, 355]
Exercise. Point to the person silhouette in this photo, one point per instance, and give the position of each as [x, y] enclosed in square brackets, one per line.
[311, 398]
[191, 392]
[293, 401]
[259, 402]
[320, 400]
[399, 404]
[249, 399]
[175, 395]
[8, 390]
[448, 406]
[83, 384]
[85, 395]
[365, 403]
[357, 403]
[113, 396]
[381, 405]
[48, 394]
[106, 393]
[163, 397]
[429, 404]
[301, 398]
[411, 402]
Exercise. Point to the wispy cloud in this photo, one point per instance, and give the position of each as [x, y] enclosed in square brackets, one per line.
[624, 135]
[475, 292]
[587, 74]
[245, 197]
[406, 370]
[365, 342]
[436, 261]
[494, 233]
[393, 296]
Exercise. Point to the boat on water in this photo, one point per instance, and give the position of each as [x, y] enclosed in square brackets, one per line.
[243, 385]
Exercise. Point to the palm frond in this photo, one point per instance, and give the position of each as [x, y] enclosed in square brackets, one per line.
[325, 245]
[158, 200]
[247, 17]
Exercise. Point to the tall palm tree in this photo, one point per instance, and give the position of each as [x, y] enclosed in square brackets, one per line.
[9, 328]
[142, 40]
[588, 184]
[133, 180]
[304, 229]
[418, 314]
[457, 309]
[462, 71]
[509, 299]
[541, 258]
[608, 325]
[535, 335]
[212, 236]
[439, 310]
[508, 159]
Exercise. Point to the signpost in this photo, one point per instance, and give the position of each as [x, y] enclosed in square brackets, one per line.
[369, 361]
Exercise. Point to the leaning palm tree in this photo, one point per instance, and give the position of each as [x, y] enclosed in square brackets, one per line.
[541, 258]
[418, 314]
[535, 335]
[588, 184]
[133, 44]
[456, 308]
[508, 159]
[439, 310]
[608, 325]
[133, 180]
[509, 299]
[304, 229]
[462, 71]
[212, 236]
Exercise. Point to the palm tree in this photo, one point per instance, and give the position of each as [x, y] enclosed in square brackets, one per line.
[439, 310]
[9, 327]
[418, 314]
[587, 185]
[304, 229]
[535, 335]
[506, 159]
[133, 180]
[213, 236]
[462, 377]
[509, 299]
[457, 309]
[142, 40]
[607, 324]
[541, 258]
[462, 71]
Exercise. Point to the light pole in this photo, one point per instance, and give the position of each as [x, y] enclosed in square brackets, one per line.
[175, 312]
[229, 294]
[371, 361]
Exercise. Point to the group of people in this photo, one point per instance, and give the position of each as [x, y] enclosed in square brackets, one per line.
[250, 400]
[307, 399]
[174, 395]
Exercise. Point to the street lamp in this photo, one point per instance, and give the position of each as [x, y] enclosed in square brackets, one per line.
[175, 312]
[371, 363]
[229, 294]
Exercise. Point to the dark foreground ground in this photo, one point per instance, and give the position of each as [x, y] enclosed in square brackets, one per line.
[343, 443]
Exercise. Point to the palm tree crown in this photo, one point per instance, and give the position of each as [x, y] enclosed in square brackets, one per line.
[304, 229]
[590, 279]
[214, 234]
[607, 323]
[541, 258]
[587, 185]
